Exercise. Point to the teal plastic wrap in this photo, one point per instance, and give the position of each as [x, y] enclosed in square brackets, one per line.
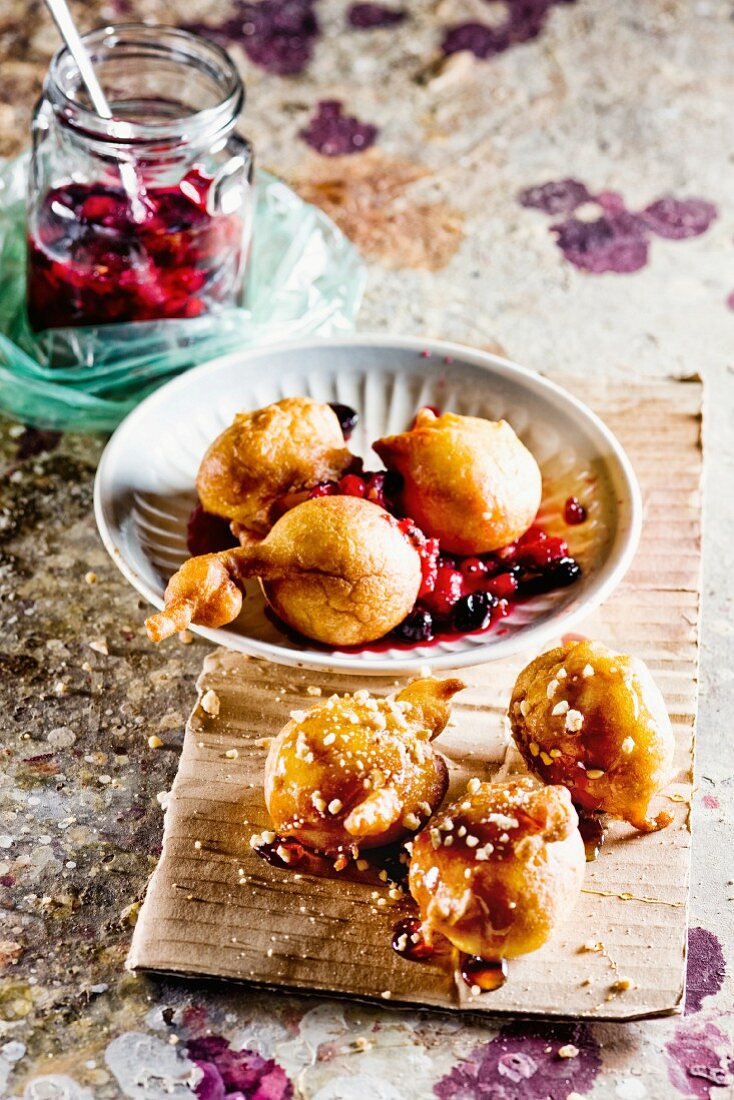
[304, 278]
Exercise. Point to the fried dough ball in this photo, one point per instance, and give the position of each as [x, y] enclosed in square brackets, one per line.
[283, 448]
[359, 772]
[336, 569]
[496, 871]
[467, 481]
[595, 720]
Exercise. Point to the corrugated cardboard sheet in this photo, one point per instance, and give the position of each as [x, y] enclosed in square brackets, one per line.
[214, 908]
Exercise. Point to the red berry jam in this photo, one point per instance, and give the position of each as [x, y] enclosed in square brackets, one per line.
[206, 534]
[574, 512]
[91, 263]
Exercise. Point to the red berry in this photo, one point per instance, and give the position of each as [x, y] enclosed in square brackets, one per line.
[324, 489]
[352, 486]
[473, 568]
[376, 489]
[504, 586]
[574, 512]
[447, 590]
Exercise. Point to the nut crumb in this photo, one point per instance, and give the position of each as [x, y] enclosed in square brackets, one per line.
[90, 577]
[574, 721]
[386, 994]
[594, 773]
[185, 637]
[99, 645]
[197, 845]
[313, 690]
[210, 703]
[568, 1051]
[154, 741]
[473, 785]
[335, 806]
[231, 754]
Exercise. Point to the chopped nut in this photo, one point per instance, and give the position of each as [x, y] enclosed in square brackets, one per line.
[560, 708]
[362, 865]
[197, 845]
[473, 785]
[99, 645]
[335, 806]
[411, 821]
[472, 841]
[210, 703]
[587, 671]
[318, 802]
[282, 852]
[594, 773]
[568, 1051]
[313, 690]
[574, 721]
[298, 715]
[154, 741]
[524, 708]
[628, 745]
[561, 674]
[534, 748]
[231, 754]
[555, 753]
[552, 688]
[621, 985]
[386, 994]
[329, 739]
[545, 758]
[90, 577]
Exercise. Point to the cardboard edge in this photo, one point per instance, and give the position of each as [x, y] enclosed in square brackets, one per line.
[404, 1005]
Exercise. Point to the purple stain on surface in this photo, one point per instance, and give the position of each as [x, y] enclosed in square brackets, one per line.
[243, 1074]
[522, 1063]
[334, 134]
[556, 197]
[525, 20]
[706, 968]
[278, 35]
[677, 219]
[730, 300]
[367, 16]
[615, 242]
[699, 1061]
[33, 442]
[618, 240]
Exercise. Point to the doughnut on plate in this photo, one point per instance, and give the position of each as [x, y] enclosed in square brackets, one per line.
[144, 490]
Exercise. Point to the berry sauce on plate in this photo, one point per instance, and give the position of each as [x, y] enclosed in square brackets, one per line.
[458, 595]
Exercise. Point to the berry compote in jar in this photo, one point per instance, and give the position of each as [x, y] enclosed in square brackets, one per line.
[146, 215]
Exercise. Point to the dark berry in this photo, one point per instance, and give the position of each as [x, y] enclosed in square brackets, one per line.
[418, 627]
[473, 612]
[559, 574]
[393, 483]
[206, 534]
[366, 16]
[348, 418]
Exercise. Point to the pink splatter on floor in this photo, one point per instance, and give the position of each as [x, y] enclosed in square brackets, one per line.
[699, 1061]
[241, 1074]
[334, 134]
[278, 35]
[710, 802]
[525, 19]
[522, 1063]
[367, 16]
[705, 969]
[618, 239]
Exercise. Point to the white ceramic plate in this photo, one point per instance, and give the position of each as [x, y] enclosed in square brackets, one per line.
[144, 490]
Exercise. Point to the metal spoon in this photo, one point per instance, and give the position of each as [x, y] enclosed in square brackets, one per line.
[63, 19]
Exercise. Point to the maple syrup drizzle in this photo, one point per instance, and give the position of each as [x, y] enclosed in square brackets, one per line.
[593, 833]
[485, 974]
[409, 942]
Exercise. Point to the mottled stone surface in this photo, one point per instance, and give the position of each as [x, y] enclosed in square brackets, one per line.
[627, 99]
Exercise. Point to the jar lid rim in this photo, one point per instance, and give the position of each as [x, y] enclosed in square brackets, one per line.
[184, 46]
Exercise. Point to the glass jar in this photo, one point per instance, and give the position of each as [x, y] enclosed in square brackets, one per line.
[146, 215]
